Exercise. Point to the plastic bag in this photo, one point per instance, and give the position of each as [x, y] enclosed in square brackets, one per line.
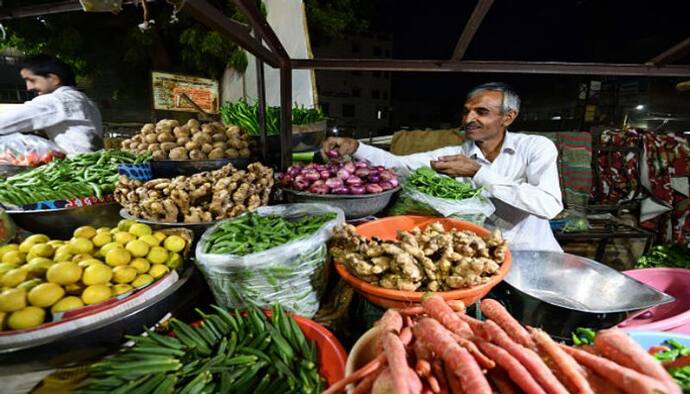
[412, 201]
[293, 274]
[27, 150]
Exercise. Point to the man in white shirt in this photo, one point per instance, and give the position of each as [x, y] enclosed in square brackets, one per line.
[64, 114]
[518, 172]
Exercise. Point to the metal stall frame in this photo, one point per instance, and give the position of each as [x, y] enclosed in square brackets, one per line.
[259, 39]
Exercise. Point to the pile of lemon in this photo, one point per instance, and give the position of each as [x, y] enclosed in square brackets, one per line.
[41, 275]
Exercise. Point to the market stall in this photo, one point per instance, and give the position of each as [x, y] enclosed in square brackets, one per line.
[183, 263]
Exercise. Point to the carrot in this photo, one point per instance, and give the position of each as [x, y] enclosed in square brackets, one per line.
[658, 348]
[384, 383]
[364, 386]
[433, 384]
[628, 380]
[477, 326]
[482, 360]
[455, 305]
[681, 361]
[454, 386]
[571, 370]
[371, 367]
[397, 361]
[436, 307]
[495, 311]
[599, 384]
[617, 346]
[437, 370]
[502, 382]
[517, 372]
[527, 357]
[439, 340]
[423, 368]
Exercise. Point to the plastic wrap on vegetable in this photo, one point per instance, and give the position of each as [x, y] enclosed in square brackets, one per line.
[27, 150]
[258, 259]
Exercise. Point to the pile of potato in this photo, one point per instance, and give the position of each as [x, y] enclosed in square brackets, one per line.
[169, 140]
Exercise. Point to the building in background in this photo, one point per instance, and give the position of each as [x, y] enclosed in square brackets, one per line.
[356, 101]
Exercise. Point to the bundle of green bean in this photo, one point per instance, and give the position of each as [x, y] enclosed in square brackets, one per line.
[252, 233]
[83, 175]
[429, 182]
[227, 353]
[246, 116]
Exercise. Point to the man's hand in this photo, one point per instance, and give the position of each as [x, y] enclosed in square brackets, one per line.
[456, 165]
[343, 146]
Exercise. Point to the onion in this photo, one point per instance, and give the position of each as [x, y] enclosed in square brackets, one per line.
[294, 171]
[362, 164]
[325, 174]
[362, 172]
[386, 175]
[353, 180]
[340, 190]
[357, 189]
[386, 185]
[321, 167]
[312, 175]
[374, 178]
[334, 183]
[380, 168]
[286, 180]
[300, 183]
[349, 167]
[318, 189]
[374, 188]
[343, 174]
[395, 182]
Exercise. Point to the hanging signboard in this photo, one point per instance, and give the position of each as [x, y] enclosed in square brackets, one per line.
[173, 92]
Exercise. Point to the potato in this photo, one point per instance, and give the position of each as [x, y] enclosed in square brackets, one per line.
[137, 138]
[193, 123]
[232, 153]
[163, 129]
[194, 130]
[206, 148]
[182, 141]
[233, 130]
[207, 128]
[160, 155]
[142, 147]
[181, 132]
[153, 147]
[148, 128]
[201, 138]
[191, 145]
[221, 145]
[165, 137]
[219, 137]
[150, 138]
[167, 146]
[178, 153]
[197, 155]
[245, 153]
[216, 154]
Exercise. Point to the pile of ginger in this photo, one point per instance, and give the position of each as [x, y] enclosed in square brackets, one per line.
[203, 197]
[430, 260]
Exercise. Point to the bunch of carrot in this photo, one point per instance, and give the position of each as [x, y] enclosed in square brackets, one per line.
[437, 348]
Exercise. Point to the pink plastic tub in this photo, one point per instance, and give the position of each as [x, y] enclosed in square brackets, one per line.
[671, 317]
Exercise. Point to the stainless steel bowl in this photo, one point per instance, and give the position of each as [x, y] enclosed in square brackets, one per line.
[60, 223]
[173, 168]
[560, 292]
[197, 228]
[355, 207]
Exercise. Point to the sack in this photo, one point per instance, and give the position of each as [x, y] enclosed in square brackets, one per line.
[413, 202]
[293, 274]
[27, 150]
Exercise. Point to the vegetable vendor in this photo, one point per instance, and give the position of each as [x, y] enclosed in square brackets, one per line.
[518, 172]
[64, 114]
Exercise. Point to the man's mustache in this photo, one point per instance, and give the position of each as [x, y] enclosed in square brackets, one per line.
[473, 124]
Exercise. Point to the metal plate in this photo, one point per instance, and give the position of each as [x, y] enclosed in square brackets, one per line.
[60, 223]
[354, 206]
[173, 168]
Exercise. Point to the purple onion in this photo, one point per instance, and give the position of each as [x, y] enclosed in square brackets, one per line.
[325, 174]
[362, 172]
[386, 175]
[319, 182]
[349, 167]
[286, 180]
[301, 184]
[386, 185]
[340, 190]
[357, 189]
[318, 189]
[312, 175]
[362, 164]
[353, 180]
[374, 178]
[374, 188]
[334, 183]
[395, 182]
[380, 168]
[343, 174]
[294, 171]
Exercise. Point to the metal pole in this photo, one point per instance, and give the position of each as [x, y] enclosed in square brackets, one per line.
[261, 91]
[285, 116]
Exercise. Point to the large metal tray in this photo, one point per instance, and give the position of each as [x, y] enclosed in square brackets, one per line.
[60, 223]
[354, 206]
[560, 292]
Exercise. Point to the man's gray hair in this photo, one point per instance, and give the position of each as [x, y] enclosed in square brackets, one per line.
[510, 100]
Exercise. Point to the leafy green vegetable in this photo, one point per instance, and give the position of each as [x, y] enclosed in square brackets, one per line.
[246, 116]
[665, 256]
[680, 374]
[583, 336]
[430, 182]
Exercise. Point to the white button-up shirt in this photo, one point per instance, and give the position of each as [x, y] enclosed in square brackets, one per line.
[522, 182]
[66, 115]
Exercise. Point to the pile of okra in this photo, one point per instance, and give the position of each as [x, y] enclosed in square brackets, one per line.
[238, 352]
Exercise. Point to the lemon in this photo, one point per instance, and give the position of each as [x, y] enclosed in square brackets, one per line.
[89, 262]
[12, 300]
[124, 274]
[67, 304]
[118, 256]
[174, 243]
[157, 255]
[39, 264]
[3, 316]
[95, 294]
[30, 284]
[64, 273]
[115, 231]
[121, 288]
[38, 239]
[14, 277]
[6, 248]
[87, 232]
[101, 230]
[80, 245]
[137, 248]
[142, 280]
[65, 248]
[81, 257]
[140, 229]
[42, 250]
[101, 239]
[141, 265]
[14, 257]
[62, 257]
[4, 267]
[74, 288]
[158, 271]
[123, 237]
[174, 261]
[150, 240]
[31, 316]
[45, 294]
[106, 248]
[125, 224]
[160, 236]
[55, 243]
[96, 274]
